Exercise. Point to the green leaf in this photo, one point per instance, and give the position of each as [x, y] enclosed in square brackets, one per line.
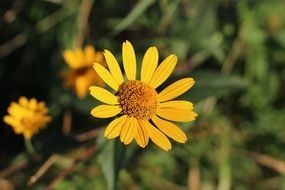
[140, 8]
[214, 84]
[110, 160]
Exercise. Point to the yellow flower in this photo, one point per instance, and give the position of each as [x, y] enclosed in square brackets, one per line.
[80, 76]
[138, 100]
[27, 116]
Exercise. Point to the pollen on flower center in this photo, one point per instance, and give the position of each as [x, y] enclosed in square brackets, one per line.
[137, 99]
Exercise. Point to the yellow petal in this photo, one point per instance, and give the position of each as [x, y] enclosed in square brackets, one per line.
[42, 107]
[141, 136]
[89, 52]
[176, 114]
[11, 120]
[176, 89]
[71, 59]
[23, 101]
[129, 60]
[18, 129]
[33, 104]
[113, 130]
[17, 111]
[106, 76]
[103, 95]
[91, 77]
[81, 86]
[99, 57]
[157, 136]
[149, 64]
[163, 71]
[170, 129]
[129, 130]
[81, 57]
[105, 111]
[180, 104]
[113, 66]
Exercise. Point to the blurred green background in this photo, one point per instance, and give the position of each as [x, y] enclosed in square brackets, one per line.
[234, 49]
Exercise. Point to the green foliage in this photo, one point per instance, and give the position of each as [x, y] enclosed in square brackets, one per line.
[235, 51]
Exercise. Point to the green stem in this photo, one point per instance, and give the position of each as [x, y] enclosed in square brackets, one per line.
[29, 146]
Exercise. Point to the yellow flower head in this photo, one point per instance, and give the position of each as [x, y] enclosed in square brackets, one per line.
[80, 76]
[140, 106]
[27, 116]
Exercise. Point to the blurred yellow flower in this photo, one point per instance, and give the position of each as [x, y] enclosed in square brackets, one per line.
[139, 102]
[80, 76]
[27, 116]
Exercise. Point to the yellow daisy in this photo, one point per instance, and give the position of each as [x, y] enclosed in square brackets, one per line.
[140, 106]
[27, 117]
[80, 76]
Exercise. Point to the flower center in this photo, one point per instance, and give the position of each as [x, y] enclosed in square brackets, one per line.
[82, 70]
[138, 99]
